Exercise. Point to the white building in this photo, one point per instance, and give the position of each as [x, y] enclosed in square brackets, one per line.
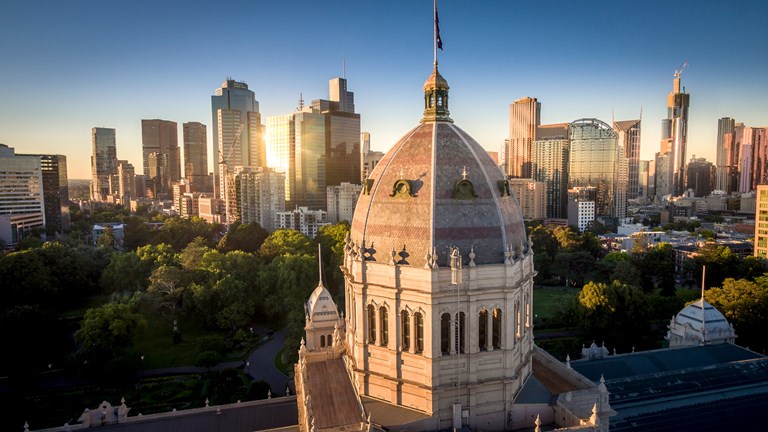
[302, 219]
[341, 202]
[21, 195]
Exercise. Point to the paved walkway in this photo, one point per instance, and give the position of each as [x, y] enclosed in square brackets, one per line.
[261, 364]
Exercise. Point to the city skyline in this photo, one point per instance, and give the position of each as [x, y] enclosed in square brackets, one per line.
[69, 69]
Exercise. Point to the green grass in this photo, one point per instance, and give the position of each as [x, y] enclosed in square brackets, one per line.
[546, 300]
[155, 343]
[280, 363]
[91, 302]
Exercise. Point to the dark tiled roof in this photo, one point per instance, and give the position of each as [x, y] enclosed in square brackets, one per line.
[389, 415]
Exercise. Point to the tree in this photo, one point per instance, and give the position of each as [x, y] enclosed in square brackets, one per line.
[208, 359]
[657, 269]
[135, 233]
[108, 331]
[574, 267]
[286, 242]
[332, 239]
[745, 305]
[125, 272]
[107, 238]
[191, 256]
[157, 255]
[166, 286]
[626, 273]
[179, 232]
[243, 237]
[616, 313]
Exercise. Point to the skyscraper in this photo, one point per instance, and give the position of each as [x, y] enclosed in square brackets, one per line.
[524, 117]
[550, 156]
[342, 134]
[55, 190]
[726, 154]
[260, 195]
[157, 178]
[196, 156]
[700, 177]
[532, 197]
[126, 175]
[597, 160]
[674, 135]
[21, 195]
[761, 222]
[759, 156]
[162, 136]
[629, 140]
[297, 148]
[237, 129]
[103, 162]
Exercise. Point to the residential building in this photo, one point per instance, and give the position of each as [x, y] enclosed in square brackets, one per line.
[674, 135]
[341, 201]
[761, 222]
[628, 132]
[126, 181]
[662, 186]
[260, 195]
[524, 119]
[581, 207]
[190, 204]
[302, 219]
[180, 188]
[158, 172]
[161, 137]
[209, 208]
[21, 195]
[196, 156]
[531, 196]
[597, 160]
[550, 164]
[727, 155]
[55, 191]
[103, 162]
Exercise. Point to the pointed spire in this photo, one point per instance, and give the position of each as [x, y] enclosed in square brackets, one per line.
[568, 361]
[594, 419]
[320, 264]
[537, 423]
[436, 98]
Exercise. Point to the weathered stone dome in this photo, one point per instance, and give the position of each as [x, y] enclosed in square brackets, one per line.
[437, 188]
[700, 315]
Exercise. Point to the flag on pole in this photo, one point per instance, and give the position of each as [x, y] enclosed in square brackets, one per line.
[437, 30]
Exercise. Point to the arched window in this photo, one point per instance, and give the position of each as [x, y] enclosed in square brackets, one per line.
[482, 330]
[405, 330]
[329, 339]
[527, 312]
[419, 323]
[440, 100]
[518, 321]
[322, 341]
[461, 341]
[496, 329]
[431, 100]
[371, 324]
[384, 321]
[445, 333]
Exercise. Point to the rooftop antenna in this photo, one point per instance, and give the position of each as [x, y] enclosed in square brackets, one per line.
[641, 113]
[703, 278]
[320, 264]
[344, 68]
[613, 118]
[301, 102]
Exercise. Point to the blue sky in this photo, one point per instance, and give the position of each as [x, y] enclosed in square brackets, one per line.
[68, 66]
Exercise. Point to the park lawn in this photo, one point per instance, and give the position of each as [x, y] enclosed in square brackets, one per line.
[547, 299]
[91, 302]
[155, 343]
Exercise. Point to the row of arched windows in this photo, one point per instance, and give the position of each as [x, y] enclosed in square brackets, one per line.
[452, 331]
[406, 325]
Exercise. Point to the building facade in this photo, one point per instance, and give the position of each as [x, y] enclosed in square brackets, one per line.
[597, 160]
[550, 156]
[196, 156]
[55, 191]
[629, 139]
[341, 201]
[21, 195]
[126, 182]
[700, 177]
[103, 162]
[524, 118]
[161, 137]
[531, 196]
[302, 219]
[761, 222]
[260, 195]
[674, 135]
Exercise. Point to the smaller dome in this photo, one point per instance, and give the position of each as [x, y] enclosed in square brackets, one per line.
[435, 81]
[701, 315]
[320, 306]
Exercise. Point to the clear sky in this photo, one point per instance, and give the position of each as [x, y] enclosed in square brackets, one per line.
[67, 66]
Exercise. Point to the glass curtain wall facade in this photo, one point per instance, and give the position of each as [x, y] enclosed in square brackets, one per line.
[550, 155]
[524, 118]
[103, 162]
[196, 156]
[162, 136]
[595, 161]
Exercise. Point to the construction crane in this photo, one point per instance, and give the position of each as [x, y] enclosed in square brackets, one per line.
[682, 68]
[225, 173]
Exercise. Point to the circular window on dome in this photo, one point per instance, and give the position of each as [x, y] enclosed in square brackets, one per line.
[402, 188]
[464, 189]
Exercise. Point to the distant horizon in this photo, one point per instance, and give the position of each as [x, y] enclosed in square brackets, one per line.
[67, 69]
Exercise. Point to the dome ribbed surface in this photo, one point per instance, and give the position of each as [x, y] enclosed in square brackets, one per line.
[700, 312]
[432, 158]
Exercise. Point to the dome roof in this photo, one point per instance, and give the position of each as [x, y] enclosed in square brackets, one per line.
[701, 315]
[320, 306]
[435, 80]
[437, 188]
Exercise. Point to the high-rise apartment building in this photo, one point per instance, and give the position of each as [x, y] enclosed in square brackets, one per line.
[21, 195]
[341, 201]
[55, 190]
[581, 207]
[103, 162]
[238, 138]
[302, 219]
[761, 222]
[597, 160]
[759, 138]
[727, 154]
[161, 137]
[549, 157]
[126, 178]
[700, 177]
[674, 135]
[662, 186]
[645, 181]
[524, 118]
[158, 185]
[532, 197]
[368, 158]
[196, 156]
[629, 139]
[260, 195]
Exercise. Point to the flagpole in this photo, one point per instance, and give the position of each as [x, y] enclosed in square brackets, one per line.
[434, 29]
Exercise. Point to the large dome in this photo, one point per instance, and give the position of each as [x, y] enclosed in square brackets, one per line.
[701, 315]
[435, 189]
